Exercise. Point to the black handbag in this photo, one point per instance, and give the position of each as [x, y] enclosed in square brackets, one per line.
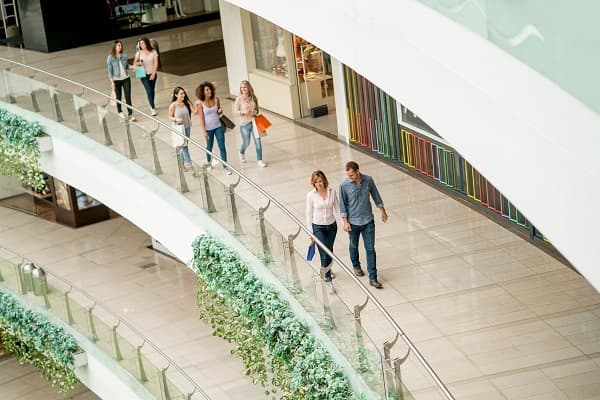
[226, 123]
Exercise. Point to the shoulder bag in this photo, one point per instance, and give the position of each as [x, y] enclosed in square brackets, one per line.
[226, 123]
[178, 140]
[140, 72]
[262, 123]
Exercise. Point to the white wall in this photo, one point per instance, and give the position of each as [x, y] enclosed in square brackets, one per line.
[506, 119]
[235, 49]
[343, 131]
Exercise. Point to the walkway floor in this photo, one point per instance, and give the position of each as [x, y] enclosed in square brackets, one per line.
[494, 315]
[23, 382]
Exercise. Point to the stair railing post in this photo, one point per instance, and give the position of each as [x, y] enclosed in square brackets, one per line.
[234, 218]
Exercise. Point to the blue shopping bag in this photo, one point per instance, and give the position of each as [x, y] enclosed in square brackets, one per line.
[311, 252]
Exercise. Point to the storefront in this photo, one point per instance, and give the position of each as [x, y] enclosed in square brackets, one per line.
[290, 75]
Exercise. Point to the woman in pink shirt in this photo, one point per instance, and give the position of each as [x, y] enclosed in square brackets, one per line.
[246, 106]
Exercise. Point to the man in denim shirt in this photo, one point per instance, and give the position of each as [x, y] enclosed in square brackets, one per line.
[355, 209]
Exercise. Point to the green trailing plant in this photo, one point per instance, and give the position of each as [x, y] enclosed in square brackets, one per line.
[19, 151]
[35, 340]
[278, 350]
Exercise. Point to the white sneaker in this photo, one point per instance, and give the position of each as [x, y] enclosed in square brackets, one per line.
[132, 118]
[122, 115]
[208, 167]
[153, 112]
[227, 171]
[261, 163]
[242, 158]
[214, 162]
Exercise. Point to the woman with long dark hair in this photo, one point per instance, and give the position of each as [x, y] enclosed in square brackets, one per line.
[118, 74]
[180, 113]
[147, 57]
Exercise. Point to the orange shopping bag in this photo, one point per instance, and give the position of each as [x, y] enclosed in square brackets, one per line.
[262, 123]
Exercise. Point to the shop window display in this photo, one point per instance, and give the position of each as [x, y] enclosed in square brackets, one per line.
[313, 67]
[269, 48]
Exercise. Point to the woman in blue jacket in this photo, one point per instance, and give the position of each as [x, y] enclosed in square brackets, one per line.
[118, 74]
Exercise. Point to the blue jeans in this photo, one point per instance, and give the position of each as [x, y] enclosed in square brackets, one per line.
[185, 151]
[368, 234]
[210, 141]
[326, 234]
[149, 86]
[246, 131]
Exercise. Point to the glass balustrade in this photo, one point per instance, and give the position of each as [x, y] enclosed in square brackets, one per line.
[114, 336]
[558, 39]
[257, 219]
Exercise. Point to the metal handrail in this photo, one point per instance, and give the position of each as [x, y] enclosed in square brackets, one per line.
[114, 315]
[271, 198]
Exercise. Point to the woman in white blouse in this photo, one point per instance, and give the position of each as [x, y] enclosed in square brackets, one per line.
[322, 211]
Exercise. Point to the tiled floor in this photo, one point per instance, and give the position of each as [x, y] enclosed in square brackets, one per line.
[23, 382]
[496, 317]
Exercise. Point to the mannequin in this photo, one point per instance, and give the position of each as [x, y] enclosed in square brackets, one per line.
[176, 4]
[280, 50]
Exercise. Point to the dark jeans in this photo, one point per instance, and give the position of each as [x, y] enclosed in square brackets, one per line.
[368, 233]
[149, 86]
[326, 234]
[125, 86]
[210, 141]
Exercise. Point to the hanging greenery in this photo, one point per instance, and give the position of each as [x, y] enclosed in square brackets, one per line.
[279, 351]
[37, 341]
[19, 151]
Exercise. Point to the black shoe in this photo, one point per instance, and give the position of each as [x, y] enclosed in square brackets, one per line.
[376, 284]
[358, 272]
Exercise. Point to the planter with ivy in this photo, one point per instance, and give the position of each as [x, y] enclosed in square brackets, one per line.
[278, 350]
[19, 149]
[37, 341]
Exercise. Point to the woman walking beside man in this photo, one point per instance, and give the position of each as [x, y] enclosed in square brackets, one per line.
[322, 211]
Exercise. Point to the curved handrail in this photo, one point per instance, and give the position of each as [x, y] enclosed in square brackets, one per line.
[441, 386]
[119, 319]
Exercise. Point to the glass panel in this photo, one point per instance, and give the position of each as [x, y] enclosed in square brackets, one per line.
[305, 287]
[104, 335]
[8, 269]
[19, 88]
[152, 373]
[129, 353]
[217, 192]
[66, 107]
[248, 217]
[79, 314]
[56, 298]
